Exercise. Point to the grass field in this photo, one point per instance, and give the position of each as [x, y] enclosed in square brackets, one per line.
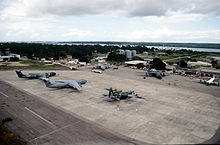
[35, 67]
[31, 64]
[7, 137]
[194, 57]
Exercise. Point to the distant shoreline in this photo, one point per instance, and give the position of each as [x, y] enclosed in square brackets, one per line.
[202, 47]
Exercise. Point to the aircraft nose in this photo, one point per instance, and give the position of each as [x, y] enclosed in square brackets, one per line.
[83, 81]
[52, 74]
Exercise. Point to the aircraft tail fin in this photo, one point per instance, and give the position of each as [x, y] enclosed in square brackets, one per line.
[19, 73]
[111, 96]
[81, 82]
[114, 97]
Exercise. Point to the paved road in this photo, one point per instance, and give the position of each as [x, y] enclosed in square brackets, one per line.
[38, 122]
[176, 58]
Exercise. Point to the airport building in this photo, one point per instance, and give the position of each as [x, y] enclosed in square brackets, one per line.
[134, 63]
[209, 72]
[10, 57]
[198, 64]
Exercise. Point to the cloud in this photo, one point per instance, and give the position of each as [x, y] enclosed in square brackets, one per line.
[147, 34]
[47, 30]
[135, 35]
[24, 30]
[175, 18]
[73, 33]
[36, 8]
[57, 20]
[131, 8]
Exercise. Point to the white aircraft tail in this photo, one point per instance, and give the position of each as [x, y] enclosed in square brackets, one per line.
[211, 80]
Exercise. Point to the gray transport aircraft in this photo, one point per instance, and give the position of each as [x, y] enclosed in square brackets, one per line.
[155, 74]
[35, 75]
[76, 84]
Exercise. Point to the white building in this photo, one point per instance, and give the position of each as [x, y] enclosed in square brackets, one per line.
[82, 63]
[209, 72]
[72, 62]
[198, 63]
[10, 57]
[135, 62]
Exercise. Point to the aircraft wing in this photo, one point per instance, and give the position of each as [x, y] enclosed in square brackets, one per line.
[75, 85]
[43, 76]
[211, 80]
[64, 81]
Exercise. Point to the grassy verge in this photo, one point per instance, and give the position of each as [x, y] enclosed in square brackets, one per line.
[7, 137]
[32, 62]
[35, 67]
[194, 57]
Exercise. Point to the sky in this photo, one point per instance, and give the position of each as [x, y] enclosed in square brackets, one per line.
[196, 21]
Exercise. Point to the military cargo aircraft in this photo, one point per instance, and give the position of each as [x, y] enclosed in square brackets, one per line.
[35, 75]
[211, 81]
[101, 67]
[156, 74]
[76, 84]
[119, 94]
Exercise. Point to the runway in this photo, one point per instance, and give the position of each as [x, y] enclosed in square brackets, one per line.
[38, 122]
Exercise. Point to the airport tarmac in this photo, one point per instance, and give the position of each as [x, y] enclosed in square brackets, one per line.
[37, 122]
[175, 109]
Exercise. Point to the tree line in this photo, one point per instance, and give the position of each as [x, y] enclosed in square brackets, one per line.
[81, 52]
